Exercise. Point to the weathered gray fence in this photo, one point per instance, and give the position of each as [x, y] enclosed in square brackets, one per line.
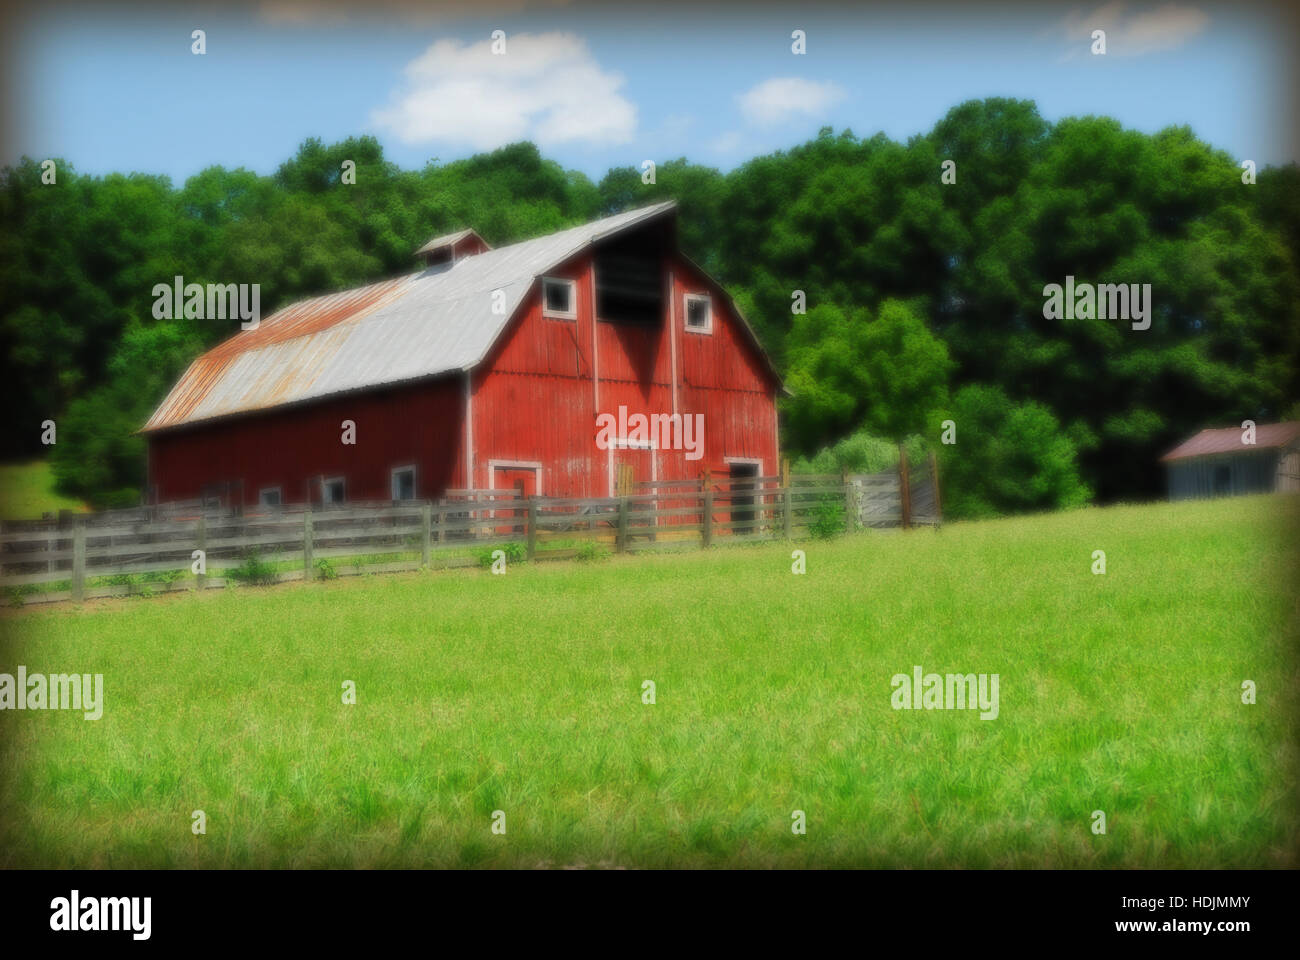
[154, 549]
[904, 497]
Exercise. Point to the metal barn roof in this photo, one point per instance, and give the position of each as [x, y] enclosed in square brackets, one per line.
[421, 325]
[1228, 440]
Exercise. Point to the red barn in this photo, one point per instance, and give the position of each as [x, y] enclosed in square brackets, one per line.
[486, 369]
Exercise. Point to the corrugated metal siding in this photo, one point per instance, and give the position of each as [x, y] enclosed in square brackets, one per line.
[273, 363]
[1224, 475]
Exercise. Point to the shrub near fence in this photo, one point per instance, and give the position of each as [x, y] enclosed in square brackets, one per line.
[153, 549]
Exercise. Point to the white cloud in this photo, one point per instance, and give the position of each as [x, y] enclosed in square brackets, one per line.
[728, 142]
[546, 87]
[786, 98]
[1131, 35]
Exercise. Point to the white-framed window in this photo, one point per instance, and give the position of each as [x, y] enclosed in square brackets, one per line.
[698, 313]
[403, 483]
[333, 490]
[559, 298]
[270, 497]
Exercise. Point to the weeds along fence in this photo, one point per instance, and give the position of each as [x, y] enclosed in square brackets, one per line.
[159, 548]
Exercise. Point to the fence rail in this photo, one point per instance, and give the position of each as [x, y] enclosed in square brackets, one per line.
[191, 545]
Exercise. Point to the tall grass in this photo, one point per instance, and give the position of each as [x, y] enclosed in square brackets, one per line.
[523, 693]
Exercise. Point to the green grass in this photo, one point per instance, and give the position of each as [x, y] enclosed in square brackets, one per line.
[27, 491]
[522, 693]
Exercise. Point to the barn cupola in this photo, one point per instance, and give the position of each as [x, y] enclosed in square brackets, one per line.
[442, 252]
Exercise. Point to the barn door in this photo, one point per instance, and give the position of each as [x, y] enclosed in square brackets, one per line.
[523, 481]
[629, 466]
[743, 503]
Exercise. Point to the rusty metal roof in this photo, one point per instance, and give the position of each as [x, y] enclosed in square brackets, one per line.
[1228, 440]
[421, 325]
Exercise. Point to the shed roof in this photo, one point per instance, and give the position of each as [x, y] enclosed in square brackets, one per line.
[449, 239]
[1228, 440]
[420, 325]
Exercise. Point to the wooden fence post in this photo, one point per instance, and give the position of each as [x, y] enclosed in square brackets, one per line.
[934, 482]
[904, 487]
[620, 541]
[201, 535]
[532, 527]
[426, 521]
[78, 559]
[308, 566]
[787, 505]
[708, 515]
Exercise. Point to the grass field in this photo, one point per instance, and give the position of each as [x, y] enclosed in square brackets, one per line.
[27, 491]
[522, 693]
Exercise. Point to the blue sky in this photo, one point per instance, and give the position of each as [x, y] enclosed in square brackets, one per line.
[119, 90]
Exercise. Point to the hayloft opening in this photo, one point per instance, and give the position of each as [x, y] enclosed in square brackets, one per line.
[629, 280]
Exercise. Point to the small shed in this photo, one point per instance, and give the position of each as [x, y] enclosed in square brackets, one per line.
[1222, 463]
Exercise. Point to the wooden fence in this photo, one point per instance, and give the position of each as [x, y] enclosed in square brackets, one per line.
[156, 549]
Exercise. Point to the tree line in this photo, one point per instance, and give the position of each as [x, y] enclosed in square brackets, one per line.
[891, 301]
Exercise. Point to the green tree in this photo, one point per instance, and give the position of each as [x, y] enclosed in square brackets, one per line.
[851, 370]
[1007, 458]
[100, 456]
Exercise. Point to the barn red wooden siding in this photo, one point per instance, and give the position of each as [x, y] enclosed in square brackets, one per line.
[536, 397]
[290, 447]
